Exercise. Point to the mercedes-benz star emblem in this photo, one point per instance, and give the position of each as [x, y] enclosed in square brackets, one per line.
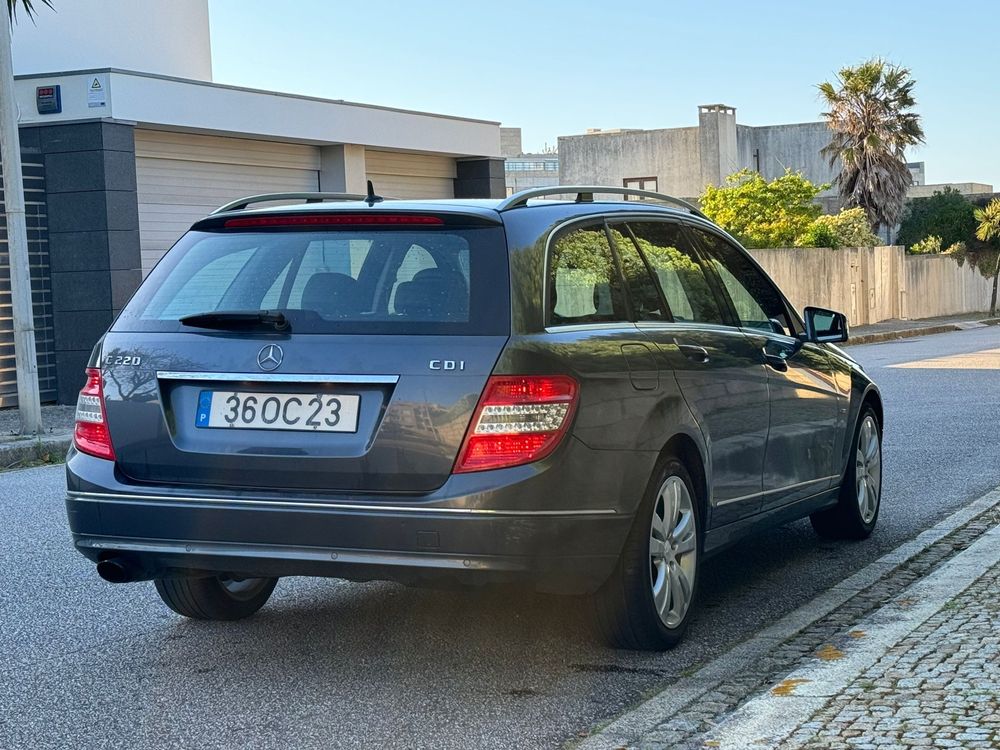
[269, 358]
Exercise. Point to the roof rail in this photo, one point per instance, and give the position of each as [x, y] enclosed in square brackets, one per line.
[241, 203]
[585, 194]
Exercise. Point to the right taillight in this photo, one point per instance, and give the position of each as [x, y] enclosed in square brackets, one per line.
[519, 419]
[91, 434]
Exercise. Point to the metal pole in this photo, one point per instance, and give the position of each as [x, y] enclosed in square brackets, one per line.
[28, 400]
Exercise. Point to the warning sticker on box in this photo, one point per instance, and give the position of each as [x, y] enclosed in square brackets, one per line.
[97, 93]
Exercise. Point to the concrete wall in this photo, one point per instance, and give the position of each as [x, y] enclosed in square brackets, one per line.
[796, 147]
[672, 156]
[717, 143]
[935, 285]
[510, 142]
[193, 106]
[168, 38]
[873, 284]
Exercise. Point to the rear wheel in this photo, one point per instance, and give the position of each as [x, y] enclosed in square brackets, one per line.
[646, 603]
[856, 512]
[215, 598]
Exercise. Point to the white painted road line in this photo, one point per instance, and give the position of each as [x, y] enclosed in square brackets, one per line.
[630, 726]
[767, 719]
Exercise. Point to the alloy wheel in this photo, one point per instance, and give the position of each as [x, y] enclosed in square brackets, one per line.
[673, 551]
[868, 469]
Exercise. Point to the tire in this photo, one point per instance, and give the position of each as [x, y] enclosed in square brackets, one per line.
[857, 509]
[660, 561]
[215, 598]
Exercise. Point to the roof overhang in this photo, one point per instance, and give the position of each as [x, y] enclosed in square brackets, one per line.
[170, 103]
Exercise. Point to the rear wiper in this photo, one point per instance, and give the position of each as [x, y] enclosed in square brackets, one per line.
[234, 320]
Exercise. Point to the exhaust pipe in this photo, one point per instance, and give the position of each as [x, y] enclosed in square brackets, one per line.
[117, 570]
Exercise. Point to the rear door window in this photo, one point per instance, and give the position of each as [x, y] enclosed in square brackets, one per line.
[679, 271]
[644, 294]
[351, 280]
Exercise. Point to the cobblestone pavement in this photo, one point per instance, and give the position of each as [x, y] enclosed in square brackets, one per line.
[939, 687]
[879, 706]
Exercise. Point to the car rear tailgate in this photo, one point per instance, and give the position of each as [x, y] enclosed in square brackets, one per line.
[416, 398]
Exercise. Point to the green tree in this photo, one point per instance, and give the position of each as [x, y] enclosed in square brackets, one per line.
[872, 123]
[989, 231]
[947, 215]
[761, 213]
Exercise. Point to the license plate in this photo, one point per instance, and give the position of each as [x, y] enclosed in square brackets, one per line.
[308, 412]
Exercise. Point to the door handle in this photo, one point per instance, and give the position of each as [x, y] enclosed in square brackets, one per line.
[775, 361]
[694, 353]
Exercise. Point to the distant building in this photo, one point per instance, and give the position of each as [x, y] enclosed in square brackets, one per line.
[523, 171]
[683, 161]
[968, 189]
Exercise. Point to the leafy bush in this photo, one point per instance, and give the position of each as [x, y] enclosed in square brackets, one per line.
[761, 213]
[818, 234]
[947, 215]
[927, 246]
[958, 249]
[849, 228]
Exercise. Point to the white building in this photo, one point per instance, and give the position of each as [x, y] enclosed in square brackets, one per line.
[127, 141]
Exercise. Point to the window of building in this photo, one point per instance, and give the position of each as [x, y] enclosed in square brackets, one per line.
[639, 183]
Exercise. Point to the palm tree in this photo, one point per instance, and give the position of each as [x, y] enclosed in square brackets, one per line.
[872, 124]
[989, 231]
[28, 6]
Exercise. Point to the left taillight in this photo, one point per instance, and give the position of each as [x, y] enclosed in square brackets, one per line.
[519, 419]
[91, 434]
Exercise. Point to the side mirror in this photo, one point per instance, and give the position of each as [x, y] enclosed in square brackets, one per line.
[825, 326]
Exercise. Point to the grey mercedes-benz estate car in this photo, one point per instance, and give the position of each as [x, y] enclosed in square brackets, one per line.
[590, 395]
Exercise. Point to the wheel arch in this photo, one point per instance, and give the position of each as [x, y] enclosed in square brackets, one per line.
[873, 399]
[684, 447]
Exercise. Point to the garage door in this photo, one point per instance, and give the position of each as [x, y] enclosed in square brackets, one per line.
[182, 177]
[402, 175]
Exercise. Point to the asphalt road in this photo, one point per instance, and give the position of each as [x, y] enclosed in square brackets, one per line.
[330, 664]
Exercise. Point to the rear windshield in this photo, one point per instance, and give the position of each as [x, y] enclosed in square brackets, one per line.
[448, 280]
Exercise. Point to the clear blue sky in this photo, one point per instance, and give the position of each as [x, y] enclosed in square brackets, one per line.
[558, 67]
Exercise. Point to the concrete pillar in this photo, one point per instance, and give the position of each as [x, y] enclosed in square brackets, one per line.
[342, 169]
[717, 143]
[480, 178]
[94, 256]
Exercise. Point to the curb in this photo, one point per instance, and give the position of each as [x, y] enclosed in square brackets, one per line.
[906, 333]
[48, 449]
[628, 727]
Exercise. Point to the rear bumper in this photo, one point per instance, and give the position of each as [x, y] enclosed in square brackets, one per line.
[462, 538]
